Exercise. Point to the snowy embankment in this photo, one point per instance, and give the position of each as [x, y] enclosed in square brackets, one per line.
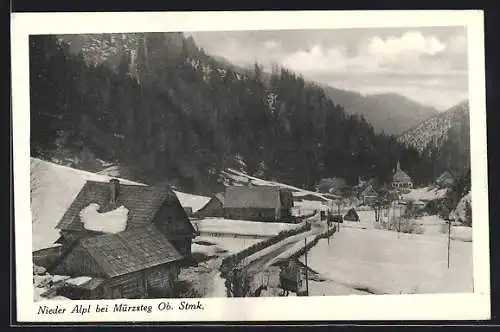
[222, 226]
[379, 262]
[425, 194]
[53, 189]
[210, 245]
[205, 277]
[239, 178]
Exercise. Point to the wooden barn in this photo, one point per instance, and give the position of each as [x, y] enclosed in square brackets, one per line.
[137, 263]
[146, 205]
[351, 215]
[258, 203]
[368, 195]
[213, 208]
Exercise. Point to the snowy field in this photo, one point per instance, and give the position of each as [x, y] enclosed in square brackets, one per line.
[377, 261]
[53, 189]
[243, 227]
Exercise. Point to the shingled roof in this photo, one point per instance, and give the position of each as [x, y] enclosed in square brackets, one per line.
[265, 197]
[130, 251]
[400, 175]
[220, 197]
[143, 202]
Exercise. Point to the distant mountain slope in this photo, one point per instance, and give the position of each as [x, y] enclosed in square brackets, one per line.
[388, 112]
[433, 131]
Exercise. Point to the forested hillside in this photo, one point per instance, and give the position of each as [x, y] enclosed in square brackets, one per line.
[444, 138]
[389, 112]
[164, 109]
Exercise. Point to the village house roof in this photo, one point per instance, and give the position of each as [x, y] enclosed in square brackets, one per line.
[220, 197]
[143, 202]
[130, 251]
[400, 175]
[446, 175]
[264, 197]
[369, 191]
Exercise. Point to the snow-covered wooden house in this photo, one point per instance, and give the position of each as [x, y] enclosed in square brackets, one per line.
[128, 240]
[112, 207]
[259, 203]
[213, 208]
[136, 263]
[368, 195]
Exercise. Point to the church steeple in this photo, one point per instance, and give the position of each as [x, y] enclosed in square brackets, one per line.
[398, 167]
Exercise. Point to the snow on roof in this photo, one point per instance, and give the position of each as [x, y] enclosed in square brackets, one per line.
[401, 176]
[193, 201]
[425, 194]
[244, 178]
[53, 189]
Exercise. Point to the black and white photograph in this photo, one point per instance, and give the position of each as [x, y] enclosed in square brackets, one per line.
[327, 162]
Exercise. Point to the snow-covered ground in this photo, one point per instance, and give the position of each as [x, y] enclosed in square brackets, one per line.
[53, 189]
[378, 261]
[305, 207]
[425, 194]
[205, 278]
[228, 244]
[243, 227]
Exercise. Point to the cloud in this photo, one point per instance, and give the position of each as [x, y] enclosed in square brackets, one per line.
[429, 66]
[411, 52]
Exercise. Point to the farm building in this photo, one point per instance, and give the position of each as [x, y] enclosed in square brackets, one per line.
[188, 210]
[445, 180]
[135, 263]
[258, 203]
[401, 180]
[368, 195]
[213, 208]
[111, 207]
[351, 215]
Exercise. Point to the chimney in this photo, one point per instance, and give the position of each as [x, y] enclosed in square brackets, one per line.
[114, 186]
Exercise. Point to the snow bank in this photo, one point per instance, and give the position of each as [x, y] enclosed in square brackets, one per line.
[425, 194]
[380, 261]
[53, 189]
[242, 179]
[459, 213]
[232, 245]
[114, 221]
[194, 201]
[243, 227]
[78, 280]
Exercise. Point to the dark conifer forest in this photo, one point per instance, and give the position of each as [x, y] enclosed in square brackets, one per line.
[183, 117]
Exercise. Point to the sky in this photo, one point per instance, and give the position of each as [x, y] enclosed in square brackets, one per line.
[428, 65]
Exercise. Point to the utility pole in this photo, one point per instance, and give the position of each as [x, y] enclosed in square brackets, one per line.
[338, 217]
[399, 219]
[449, 238]
[307, 276]
[327, 230]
